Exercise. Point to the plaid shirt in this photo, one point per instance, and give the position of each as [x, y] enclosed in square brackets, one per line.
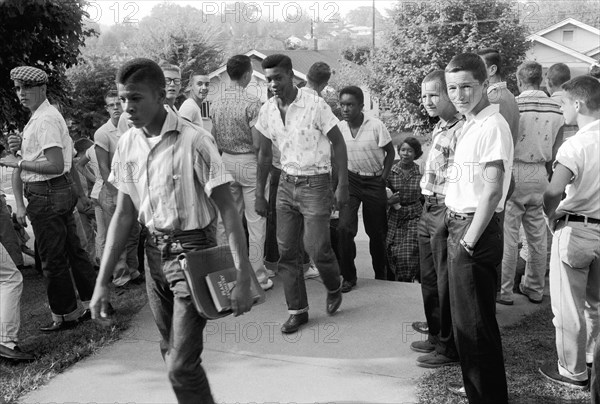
[440, 156]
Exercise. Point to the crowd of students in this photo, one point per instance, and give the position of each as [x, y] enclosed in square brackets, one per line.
[497, 162]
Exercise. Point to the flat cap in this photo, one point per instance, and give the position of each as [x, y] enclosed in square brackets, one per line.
[29, 75]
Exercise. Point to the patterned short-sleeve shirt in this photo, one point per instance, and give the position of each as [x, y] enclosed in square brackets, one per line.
[302, 140]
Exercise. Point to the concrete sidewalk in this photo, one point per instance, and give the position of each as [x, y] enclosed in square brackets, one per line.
[362, 354]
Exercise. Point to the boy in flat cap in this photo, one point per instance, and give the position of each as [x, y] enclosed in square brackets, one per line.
[42, 175]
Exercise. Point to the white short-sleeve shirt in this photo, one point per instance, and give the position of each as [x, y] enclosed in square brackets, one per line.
[580, 154]
[483, 139]
[190, 111]
[365, 151]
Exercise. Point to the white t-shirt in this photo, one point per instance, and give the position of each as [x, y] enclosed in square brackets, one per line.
[90, 153]
[580, 154]
[483, 139]
[190, 111]
[365, 151]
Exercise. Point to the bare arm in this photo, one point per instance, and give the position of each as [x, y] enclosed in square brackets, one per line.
[80, 166]
[265, 159]
[560, 179]
[560, 137]
[104, 167]
[341, 162]
[490, 197]
[388, 162]
[17, 185]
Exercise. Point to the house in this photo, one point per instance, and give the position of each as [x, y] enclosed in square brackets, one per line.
[570, 42]
[301, 61]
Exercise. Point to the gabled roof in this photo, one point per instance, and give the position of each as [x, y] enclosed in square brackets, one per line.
[569, 21]
[561, 48]
[301, 60]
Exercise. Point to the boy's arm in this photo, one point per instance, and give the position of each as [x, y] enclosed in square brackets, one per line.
[104, 167]
[241, 300]
[116, 240]
[265, 159]
[560, 179]
[17, 185]
[491, 195]
[388, 162]
[80, 166]
[560, 136]
[341, 161]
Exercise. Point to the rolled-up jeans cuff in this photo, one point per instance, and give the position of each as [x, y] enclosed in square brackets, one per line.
[300, 311]
[336, 290]
[72, 316]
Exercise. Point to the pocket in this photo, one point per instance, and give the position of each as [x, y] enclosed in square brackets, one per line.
[574, 249]
[62, 200]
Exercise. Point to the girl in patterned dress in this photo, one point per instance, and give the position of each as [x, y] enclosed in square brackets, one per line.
[404, 211]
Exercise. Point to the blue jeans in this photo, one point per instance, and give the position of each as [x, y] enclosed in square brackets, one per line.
[179, 323]
[303, 211]
[371, 192]
[472, 281]
[50, 210]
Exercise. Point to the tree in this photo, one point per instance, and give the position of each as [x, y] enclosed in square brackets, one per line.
[363, 16]
[540, 15]
[43, 33]
[425, 36]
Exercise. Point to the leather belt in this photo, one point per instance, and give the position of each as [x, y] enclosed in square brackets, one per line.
[579, 218]
[460, 216]
[361, 174]
[297, 179]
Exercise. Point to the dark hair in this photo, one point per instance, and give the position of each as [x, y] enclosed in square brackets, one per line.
[558, 74]
[437, 75]
[530, 73]
[595, 71]
[277, 60]
[142, 70]
[238, 65]
[491, 57]
[112, 93]
[319, 73]
[414, 144]
[168, 67]
[82, 144]
[354, 91]
[586, 89]
[468, 62]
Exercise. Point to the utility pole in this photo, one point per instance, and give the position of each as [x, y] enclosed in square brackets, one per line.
[373, 45]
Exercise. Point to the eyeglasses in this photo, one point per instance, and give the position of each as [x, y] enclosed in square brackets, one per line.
[113, 105]
[172, 81]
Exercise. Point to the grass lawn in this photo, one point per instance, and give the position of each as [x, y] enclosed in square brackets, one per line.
[527, 345]
[57, 351]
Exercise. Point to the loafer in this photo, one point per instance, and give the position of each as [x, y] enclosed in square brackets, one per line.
[550, 372]
[422, 346]
[15, 354]
[334, 300]
[294, 323]
[435, 360]
[348, 285]
[457, 389]
[58, 326]
[85, 316]
[505, 302]
[421, 326]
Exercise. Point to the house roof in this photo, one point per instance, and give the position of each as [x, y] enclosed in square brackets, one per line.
[568, 21]
[561, 48]
[302, 60]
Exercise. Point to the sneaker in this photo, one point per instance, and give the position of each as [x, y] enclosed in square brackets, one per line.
[270, 273]
[435, 360]
[422, 346]
[267, 285]
[312, 272]
[531, 299]
[421, 326]
[550, 372]
[457, 389]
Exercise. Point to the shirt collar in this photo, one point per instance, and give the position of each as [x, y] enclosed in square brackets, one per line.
[500, 85]
[486, 112]
[533, 93]
[309, 91]
[170, 125]
[41, 109]
[444, 125]
[589, 126]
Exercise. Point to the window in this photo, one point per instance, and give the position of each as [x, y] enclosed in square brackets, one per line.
[205, 108]
[568, 36]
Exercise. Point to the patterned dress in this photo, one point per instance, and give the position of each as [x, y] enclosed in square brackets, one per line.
[402, 244]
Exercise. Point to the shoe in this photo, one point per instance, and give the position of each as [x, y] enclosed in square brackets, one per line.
[15, 354]
[532, 300]
[347, 286]
[421, 326]
[58, 326]
[85, 316]
[270, 273]
[137, 281]
[312, 272]
[457, 389]
[294, 322]
[334, 300]
[435, 360]
[550, 372]
[422, 346]
[505, 302]
[267, 285]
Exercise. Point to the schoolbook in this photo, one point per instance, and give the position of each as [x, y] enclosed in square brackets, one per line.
[196, 265]
[220, 285]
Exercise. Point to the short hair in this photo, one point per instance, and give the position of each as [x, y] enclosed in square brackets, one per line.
[238, 65]
[319, 73]
[112, 93]
[436, 75]
[142, 71]
[586, 89]
[558, 74]
[491, 56]
[82, 144]
[168, 67]
[354, 91]
[595, 71]
[530, 72]
[468, 62]
[414, 144]
[277, 60]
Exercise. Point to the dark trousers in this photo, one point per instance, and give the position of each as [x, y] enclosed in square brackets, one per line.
[179, 324]
[8, 236]
[433, 254]
[371, 192]
[50, 210]
[303, 212]
[472, 281]
[595, 379]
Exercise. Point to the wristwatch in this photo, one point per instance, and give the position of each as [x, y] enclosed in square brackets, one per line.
[20, 163]
[467, 247]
